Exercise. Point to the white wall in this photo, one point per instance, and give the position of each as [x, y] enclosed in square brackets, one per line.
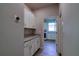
[70, 14]
[41, 14]
[11, 33]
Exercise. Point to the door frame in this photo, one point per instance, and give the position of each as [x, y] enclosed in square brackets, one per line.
[59, 35]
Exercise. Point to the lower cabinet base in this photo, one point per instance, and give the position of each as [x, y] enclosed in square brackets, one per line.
[32, 46]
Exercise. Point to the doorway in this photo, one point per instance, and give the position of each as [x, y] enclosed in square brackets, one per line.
[50, 33]
[50, 29]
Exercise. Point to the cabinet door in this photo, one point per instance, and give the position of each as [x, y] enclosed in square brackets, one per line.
[27, 49]
[38, 43]
[33, 46]
[33, 21]
[30, 21]
[31, 18]
[26, 18]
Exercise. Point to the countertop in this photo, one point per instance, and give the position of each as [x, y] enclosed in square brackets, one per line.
[30, 37]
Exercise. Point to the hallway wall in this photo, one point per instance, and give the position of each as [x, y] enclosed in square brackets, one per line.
[70, 15]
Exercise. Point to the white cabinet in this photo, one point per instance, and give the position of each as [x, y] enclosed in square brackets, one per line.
[31, 46]
[38, 43]
[29, 18]
[27, 49]
[32, 21]
[35, 44]
[26, 18]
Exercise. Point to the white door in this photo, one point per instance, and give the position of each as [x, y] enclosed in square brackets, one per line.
[11, 29]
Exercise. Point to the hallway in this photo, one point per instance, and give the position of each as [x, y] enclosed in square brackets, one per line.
[49, 49]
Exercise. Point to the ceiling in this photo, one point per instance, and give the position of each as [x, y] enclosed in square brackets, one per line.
[35, 6]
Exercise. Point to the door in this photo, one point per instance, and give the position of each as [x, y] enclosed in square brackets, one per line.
[50, 28]
[12, 33]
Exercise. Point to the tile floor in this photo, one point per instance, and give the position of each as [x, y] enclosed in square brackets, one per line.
[49, 49]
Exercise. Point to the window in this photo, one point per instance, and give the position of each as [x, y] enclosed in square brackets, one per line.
[51, 26]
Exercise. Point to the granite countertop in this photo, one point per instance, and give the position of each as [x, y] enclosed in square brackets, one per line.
[30, 37]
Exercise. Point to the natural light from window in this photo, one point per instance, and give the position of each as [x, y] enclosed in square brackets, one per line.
[52, 27]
